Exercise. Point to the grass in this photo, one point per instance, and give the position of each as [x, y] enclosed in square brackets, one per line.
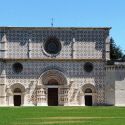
[62, 116]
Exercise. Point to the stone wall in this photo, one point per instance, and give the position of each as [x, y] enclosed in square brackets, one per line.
[78, 46]
[76, 43]
[73, 70]
[115, 84]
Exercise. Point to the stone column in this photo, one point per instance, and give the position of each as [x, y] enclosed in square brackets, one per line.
[107, 48]
[3, 84]
[81, 98]
[9, 94]
[3, 47]
[29, 48]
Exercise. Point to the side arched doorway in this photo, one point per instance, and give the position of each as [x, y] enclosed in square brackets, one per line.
[88, 97]
[17, 97]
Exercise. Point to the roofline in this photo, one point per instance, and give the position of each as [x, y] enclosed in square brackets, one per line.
[73, 28]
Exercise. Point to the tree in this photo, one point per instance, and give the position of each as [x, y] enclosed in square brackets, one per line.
[115, 51]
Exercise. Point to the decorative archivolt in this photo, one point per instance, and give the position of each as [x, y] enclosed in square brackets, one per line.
[52, 74]
[89, 86]
[17, 85]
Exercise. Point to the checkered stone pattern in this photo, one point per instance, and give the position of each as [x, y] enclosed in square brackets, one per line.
[73, 70]
[89, 44]
[78, 45]
[75, 43]
[17, 43]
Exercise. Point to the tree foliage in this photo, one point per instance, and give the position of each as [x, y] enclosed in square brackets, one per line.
[115, 51]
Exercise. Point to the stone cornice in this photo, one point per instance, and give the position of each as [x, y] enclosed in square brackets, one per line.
[38, 59]
[56, 28]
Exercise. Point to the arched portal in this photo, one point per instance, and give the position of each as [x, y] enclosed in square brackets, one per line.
[54, 82]
[51, 75]
[88, 97]
[89, 94]
[18, 94]
[17, 97]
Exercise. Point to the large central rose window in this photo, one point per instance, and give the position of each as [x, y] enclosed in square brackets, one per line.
[52, 45]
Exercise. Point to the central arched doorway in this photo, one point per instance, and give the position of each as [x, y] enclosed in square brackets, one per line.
[54, 82]
[53, 93]
[17, 97]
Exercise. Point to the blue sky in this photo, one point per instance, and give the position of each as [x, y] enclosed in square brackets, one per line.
[76, 13]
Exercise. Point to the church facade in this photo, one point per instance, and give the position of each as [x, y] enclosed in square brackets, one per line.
[57, 66]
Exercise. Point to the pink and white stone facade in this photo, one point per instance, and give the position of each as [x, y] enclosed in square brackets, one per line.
[25, 45]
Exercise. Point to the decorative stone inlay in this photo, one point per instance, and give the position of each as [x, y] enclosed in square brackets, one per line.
[78, 46]
[53, 74]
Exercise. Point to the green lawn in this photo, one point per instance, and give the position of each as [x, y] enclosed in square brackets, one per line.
[62, 116]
